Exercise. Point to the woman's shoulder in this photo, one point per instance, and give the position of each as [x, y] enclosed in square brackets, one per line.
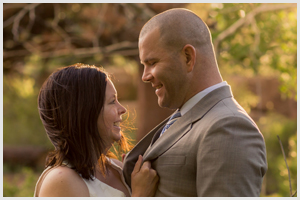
[63, 181]
[117, 162]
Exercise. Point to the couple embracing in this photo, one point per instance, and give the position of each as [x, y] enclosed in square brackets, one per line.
[208, 147]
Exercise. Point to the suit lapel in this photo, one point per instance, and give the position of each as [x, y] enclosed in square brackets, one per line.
[168, 139]
[139, 149]
[184, 124]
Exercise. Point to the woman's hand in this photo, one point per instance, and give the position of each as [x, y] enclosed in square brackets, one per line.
[144, 180]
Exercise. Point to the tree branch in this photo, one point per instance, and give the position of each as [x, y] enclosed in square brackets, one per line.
[255, 44]
[18, 17]
[13, 5]
[101, 25]
[32, 18]
[54, 25]
[281, 146]
[124, 48]
[249, 17]
[129, 11]
[143, 8]
[31, 48]
[294, 194]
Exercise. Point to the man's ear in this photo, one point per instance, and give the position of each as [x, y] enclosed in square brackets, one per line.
[190, 56]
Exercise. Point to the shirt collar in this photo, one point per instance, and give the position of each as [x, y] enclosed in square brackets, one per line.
[196, 98]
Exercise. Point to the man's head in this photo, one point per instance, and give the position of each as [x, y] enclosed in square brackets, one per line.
[176, 51]
[177, 28]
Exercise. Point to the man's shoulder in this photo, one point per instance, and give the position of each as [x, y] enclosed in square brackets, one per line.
[227, 109]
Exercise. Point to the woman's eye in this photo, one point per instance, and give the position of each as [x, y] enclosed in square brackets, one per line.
[113, 101]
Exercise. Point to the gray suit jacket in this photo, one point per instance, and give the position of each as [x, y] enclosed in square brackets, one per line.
[215, 149]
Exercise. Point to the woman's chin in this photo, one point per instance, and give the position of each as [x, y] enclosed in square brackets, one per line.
[117, 137]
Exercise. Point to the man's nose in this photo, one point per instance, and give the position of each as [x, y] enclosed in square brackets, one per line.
[147, 76]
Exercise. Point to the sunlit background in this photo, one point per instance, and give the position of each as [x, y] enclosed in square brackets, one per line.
[256, 48]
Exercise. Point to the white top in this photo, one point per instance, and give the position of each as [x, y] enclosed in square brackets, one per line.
[96, 187]
[99, 189]
[196, 98]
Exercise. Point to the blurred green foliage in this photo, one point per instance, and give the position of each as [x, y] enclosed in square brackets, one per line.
[20, 182]
[272, 125]
[21, 122]
[265, 46]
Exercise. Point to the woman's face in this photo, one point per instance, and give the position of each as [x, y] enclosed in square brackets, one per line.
[110, 116]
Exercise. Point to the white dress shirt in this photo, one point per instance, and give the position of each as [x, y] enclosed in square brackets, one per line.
[196, 98]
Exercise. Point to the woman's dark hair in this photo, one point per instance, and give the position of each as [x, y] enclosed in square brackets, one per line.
[69, 104]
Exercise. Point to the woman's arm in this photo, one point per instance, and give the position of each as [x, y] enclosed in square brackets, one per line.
[63, 182]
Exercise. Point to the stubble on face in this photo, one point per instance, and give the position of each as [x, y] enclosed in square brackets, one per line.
[175, 82]
[168, 71]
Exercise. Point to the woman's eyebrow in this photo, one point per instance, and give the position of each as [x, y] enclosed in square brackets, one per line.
[114, 95]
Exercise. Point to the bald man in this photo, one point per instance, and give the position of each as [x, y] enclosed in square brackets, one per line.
[210, 147]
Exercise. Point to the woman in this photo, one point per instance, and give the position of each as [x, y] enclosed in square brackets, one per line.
[81, 114]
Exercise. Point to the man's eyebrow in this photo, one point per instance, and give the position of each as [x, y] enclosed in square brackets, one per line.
[147, 60]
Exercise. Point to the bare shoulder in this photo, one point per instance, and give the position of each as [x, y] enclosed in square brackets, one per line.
[63, 182]
[117, 162]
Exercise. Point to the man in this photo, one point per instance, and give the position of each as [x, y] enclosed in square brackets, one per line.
[212, 148]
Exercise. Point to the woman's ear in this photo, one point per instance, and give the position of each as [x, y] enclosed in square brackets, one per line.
[190, 56]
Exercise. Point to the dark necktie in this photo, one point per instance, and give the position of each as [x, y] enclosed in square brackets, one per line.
[171, 121]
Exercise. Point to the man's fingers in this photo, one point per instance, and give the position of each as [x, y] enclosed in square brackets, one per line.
[138, 165]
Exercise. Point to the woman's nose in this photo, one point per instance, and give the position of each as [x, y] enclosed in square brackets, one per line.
[122, 110]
